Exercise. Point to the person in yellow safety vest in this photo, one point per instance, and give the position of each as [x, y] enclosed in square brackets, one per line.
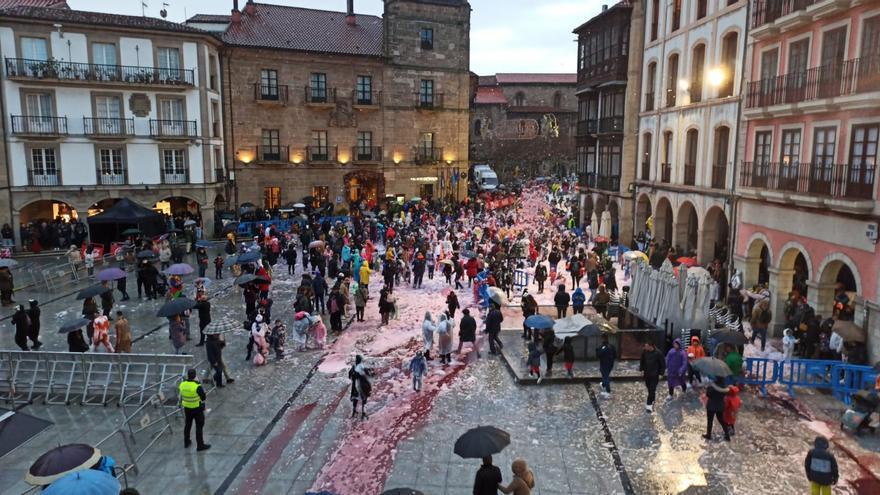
[192, 399]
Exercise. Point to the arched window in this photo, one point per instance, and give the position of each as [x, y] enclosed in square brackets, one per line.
[671, 80]
[557, 100]
[519, 100]
[698, 60]
[478, 127]
[729, 48]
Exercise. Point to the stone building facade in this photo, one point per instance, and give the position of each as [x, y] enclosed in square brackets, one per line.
[691, 78]
[103, 106]
[346, 108]
[523, 124]
[608, 81]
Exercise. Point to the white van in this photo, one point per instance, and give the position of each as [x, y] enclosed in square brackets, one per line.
[485, 179]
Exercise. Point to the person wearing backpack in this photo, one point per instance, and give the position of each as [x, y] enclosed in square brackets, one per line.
[821, 467]
[336, 305]
[761, 317]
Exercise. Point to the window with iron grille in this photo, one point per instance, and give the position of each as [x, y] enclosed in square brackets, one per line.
[426, 92]
[364, 90]
[791, 153]
[824, 147]
[319, 87]
[319, 145]
[111, 161]
[365, 145]
[763, 141]
[43, 161]
[426, 144]
[269, 84]
[174, 162]
[427, 37]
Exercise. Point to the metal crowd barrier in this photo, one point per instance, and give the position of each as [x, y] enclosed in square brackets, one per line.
[850, 379]
[810, 373]
[87, 378]
[283, 225]
[760, 372]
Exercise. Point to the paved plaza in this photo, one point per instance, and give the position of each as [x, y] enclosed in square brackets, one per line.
[285, 428]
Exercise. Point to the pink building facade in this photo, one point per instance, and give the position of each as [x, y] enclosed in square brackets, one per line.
[807, 210]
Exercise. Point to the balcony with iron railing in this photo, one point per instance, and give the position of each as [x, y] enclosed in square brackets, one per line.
[611, 125]
[368, 154]
[320, 96]
[587, 127]
[719, 176]
[41, 177]
[840, 180]
[38, 125]
[665, 173]
[274, 153]
[690, 174]
[603, 71]
[859, 75]
[56, 71]
[646, 170]
[428, 101]
[366, 99]
[427, 156]
[608, 182]
[112, 177]
[175, 176]
[271, 93]
[765, 12]
[321, 154]
[219, 174]
[110, 127]
[173, 129]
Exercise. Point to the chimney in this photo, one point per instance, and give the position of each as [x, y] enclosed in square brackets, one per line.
[604, 8]
[350, 18]
[235, 18]
[250, 7]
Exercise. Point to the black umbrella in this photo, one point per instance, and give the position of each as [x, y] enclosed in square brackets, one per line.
[481, 441]
[95, 290]
[73, 325]
[230, 227]
[402, 491]
[146, 254]
[712, 367]
[129, 232]
[61, 461]
[176, 307]
[729, 337]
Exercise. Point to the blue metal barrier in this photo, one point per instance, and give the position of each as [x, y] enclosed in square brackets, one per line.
[284, 225]
[812, 373]
[760, 372]
[850, 379]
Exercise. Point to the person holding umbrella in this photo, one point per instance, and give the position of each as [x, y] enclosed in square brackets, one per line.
[529, 308]
[488, 478]
[192, 399]
[22, 324]
[715, 393]
[75, 340]
[481, 443]
[90, 312]
[107, 298]
[177, 333]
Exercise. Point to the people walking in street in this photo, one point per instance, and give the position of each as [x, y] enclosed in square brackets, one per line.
[533, 361]
[452, 304]
[606, 354]
[107, 299]
[123, 334]
[578, 299]
[417, 367]
[732, 404]
[192, 400]
[202, 261]
[360, 386]
[488, 478]
[761, 318]
[467, 331]
[561, 300]
[428, 329]
[540, 277]
[203, 306]
[676, 368]
[7, 285]
[22, 324]
[548, 342]
[360, 302]
[34, 330]
[694, 351]
[493, 329]
[715, 393]
[821, 467]
[386, 304]
[529, 308]
[336, 305]
[568, 356]
[177, 333]
[523, 480]
[101, 335]
[259, 330]
[651, 365]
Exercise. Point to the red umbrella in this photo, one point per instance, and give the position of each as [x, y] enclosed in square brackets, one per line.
[689, 262]
[600, 239]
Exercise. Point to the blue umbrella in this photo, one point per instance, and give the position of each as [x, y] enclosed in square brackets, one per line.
[109, 274]
[179, 269]
[248, 257]
[84, 482]
[204, 244]
[540, 322]
[205, 281]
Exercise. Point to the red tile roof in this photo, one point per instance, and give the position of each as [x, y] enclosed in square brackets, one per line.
[310, 30]
[96, 19]
[60, 4]
[487, 95]
[536, 78]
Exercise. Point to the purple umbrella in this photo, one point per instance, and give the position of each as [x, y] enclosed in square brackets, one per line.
[179, 269]
[111, 274]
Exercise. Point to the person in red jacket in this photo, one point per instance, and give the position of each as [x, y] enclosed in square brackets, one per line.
[471, 268]
[732, 404]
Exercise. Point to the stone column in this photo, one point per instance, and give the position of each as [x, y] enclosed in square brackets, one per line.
[16, 227]
[207, 221]
[750, 268]
[871, 320]
[821, 297]
[780, 286]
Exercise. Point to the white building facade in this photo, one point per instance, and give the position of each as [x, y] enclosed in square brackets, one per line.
[691, 77]
[99, 107]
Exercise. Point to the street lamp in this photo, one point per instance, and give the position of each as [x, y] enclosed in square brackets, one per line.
[716, 77]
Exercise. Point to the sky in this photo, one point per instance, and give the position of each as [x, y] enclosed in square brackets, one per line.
[506, 35]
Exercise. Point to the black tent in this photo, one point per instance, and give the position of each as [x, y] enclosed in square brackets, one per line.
[107, 226]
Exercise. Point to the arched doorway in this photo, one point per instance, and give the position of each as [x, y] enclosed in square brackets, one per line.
[643, 212]
[663, 221]
[367, 187]
[758, 260]
[598, 210]
[716, 233]
[838, 283]
[686, 229]
[615, 219]
[795, 262]
[47, 210]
